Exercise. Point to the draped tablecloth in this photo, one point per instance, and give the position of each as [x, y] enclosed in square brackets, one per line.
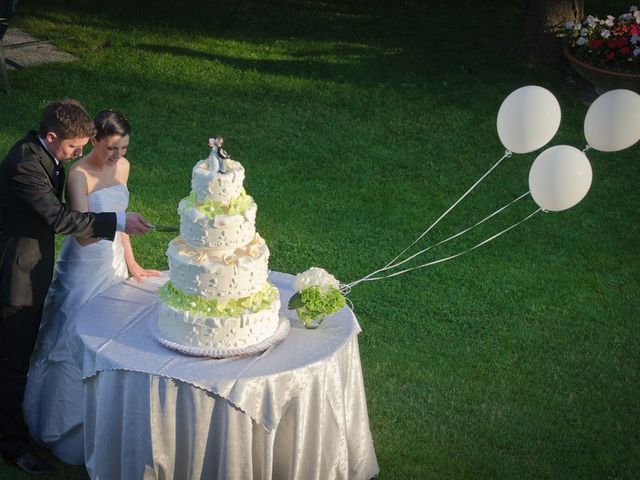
[296, 411]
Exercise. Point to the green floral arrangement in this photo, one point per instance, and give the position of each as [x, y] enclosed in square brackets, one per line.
[196, 305]
[237, 206]
[317, 295]
[611, 43]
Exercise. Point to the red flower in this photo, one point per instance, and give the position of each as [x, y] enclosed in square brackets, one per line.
[597, 43]
[626, 51]
[610, 55]
[620, 28]
[618, 42]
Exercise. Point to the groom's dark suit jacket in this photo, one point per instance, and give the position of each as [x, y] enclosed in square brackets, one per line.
[31, 212]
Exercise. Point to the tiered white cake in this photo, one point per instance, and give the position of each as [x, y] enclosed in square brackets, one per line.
[218, 296]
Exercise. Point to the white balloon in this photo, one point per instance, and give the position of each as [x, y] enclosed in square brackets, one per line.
[559, 178]
[528, 118]
[612, 122]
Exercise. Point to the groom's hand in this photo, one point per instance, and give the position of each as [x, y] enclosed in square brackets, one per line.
[136, 224]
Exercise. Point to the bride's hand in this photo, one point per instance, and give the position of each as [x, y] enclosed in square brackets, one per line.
[138, 273]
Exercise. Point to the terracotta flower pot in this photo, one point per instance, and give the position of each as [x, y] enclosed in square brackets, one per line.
[602, 79]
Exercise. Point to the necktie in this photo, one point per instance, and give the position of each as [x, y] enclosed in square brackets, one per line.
[59, 174]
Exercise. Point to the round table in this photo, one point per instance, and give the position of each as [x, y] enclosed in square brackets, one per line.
[295, 411]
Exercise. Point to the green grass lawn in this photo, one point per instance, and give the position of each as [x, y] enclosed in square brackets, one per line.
[358, 126]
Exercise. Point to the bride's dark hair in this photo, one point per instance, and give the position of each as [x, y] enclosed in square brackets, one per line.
[110, 122]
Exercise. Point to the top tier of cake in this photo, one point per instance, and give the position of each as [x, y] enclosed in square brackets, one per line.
[218, 214]
[216, 186]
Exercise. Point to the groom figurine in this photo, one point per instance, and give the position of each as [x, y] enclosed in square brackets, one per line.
[31, 212]
[218, 157]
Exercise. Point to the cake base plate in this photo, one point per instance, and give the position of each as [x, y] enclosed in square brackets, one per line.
[281, 332]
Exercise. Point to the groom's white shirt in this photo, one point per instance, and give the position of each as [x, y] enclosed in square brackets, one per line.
[121, 218]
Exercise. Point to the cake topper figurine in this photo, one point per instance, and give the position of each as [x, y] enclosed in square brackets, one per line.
[218, 157]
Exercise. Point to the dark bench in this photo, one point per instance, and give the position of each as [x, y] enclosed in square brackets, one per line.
[7, 11]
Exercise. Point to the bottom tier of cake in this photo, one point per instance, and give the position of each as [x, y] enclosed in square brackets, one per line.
[225, 332]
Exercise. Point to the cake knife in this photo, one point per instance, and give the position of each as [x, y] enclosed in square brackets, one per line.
[165, 228]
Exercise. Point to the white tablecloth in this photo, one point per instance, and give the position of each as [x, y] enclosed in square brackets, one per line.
[296, 411]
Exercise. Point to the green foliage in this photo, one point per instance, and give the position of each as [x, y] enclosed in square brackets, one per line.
[312, 304]
[358, 124]
[236, 206]
[295, 301]
[261, 300]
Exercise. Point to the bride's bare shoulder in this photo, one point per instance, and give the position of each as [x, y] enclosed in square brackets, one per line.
[122, 171]
[78, 174]
[79, 166]
[124, 163]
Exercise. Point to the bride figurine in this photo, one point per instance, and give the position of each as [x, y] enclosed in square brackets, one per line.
[218, 157]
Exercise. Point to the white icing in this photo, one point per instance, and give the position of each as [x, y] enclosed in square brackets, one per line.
[221, 187]
[221, 231]
[218, 274]
[248, 329]
[218, 258]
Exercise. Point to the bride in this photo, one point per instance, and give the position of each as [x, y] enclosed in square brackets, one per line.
[54, 398]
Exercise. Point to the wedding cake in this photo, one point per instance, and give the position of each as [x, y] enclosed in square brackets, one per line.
[218, 296]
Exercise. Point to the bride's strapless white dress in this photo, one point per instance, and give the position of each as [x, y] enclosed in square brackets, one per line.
[54, 399]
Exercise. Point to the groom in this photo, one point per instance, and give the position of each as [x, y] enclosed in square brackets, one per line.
[31, 212]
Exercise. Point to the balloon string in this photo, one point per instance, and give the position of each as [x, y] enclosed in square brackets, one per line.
[434, 262]
[587, 148]
[351, 306]
[389, 267]
[507, 154]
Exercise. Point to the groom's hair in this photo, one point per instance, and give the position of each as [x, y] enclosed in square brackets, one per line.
[67, 118]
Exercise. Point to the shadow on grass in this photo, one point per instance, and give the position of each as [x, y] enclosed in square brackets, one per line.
[416, 28]
[303, 19]
[354, 64]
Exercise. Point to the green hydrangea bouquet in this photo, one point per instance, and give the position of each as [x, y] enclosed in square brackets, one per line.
[317, 295]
